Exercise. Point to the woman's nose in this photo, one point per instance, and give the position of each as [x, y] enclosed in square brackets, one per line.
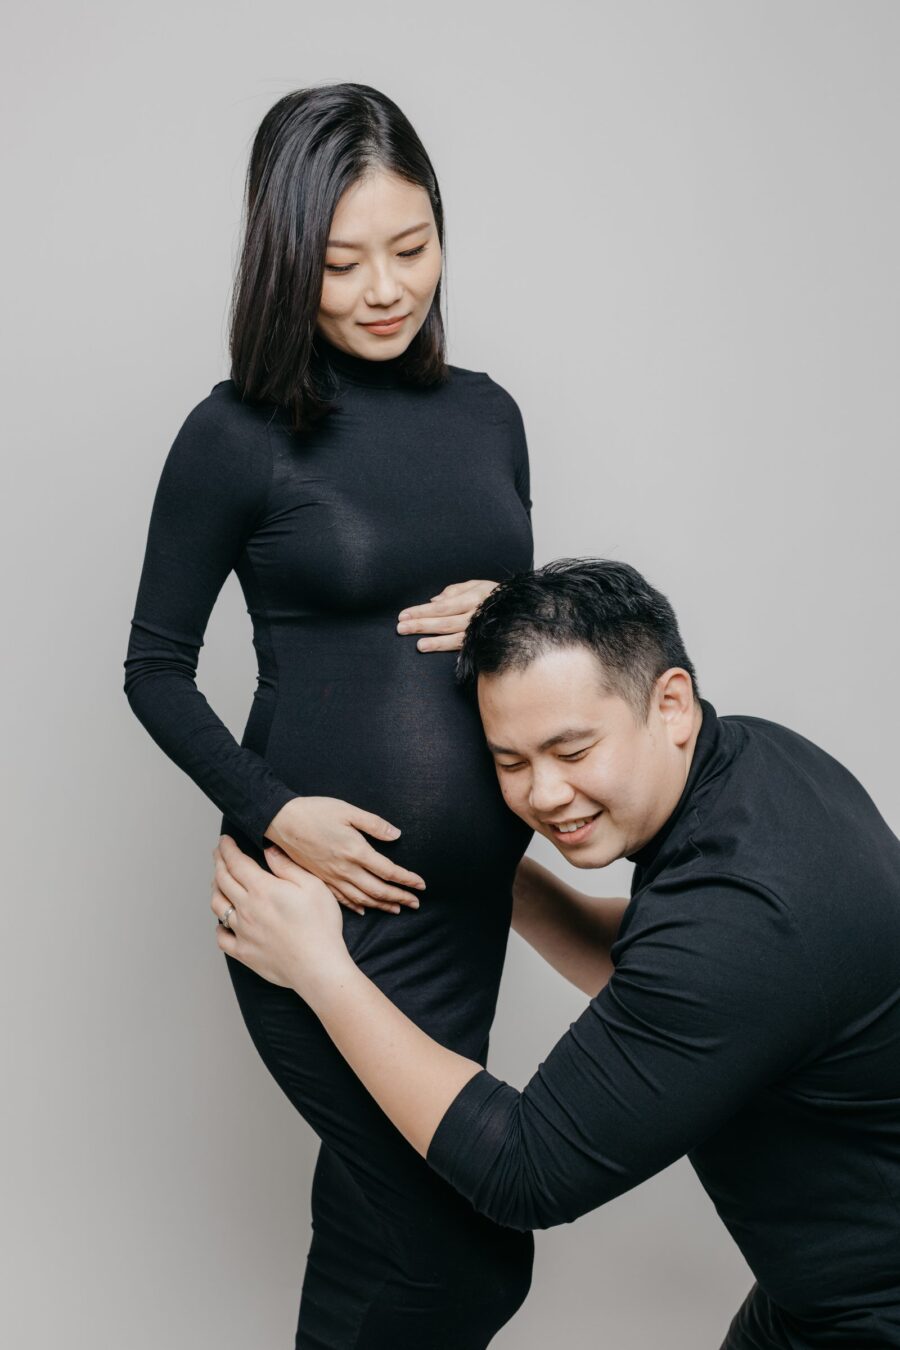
[385, 288]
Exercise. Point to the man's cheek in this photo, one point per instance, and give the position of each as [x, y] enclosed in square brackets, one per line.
[516, 801]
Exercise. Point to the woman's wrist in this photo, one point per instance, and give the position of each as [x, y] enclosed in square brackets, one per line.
[275, 830]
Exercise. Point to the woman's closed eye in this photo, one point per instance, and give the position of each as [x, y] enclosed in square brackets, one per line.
[339, 269]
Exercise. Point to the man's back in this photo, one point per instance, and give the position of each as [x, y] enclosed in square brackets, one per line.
[807, 1173]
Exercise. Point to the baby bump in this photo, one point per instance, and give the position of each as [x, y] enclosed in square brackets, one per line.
[399, 738]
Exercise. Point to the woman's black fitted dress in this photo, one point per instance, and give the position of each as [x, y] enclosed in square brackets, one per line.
[401, 491]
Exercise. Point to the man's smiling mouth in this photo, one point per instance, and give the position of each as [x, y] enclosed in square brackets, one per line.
[573, 831]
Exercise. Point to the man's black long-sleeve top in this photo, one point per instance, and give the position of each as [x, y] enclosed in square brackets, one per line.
[753, 1023]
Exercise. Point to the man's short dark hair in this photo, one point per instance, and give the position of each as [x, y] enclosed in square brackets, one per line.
[605, 606]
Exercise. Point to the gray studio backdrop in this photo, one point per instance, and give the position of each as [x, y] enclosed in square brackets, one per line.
[672, 235]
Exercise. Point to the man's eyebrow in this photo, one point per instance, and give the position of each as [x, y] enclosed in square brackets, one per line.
[570, 734]
[342, 243]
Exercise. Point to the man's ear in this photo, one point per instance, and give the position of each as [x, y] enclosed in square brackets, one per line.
[673, 699]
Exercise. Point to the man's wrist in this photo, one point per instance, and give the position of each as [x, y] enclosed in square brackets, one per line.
[328, 982]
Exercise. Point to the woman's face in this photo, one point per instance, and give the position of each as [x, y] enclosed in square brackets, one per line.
[383, 263]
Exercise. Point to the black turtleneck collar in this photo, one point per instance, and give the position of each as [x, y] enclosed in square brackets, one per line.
[712, 752]
[356, 369]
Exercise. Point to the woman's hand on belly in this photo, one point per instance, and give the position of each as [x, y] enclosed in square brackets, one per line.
[326, 836]
[445, 617]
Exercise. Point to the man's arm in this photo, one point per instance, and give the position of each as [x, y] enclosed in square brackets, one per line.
[712, 999]
[573, 932]
[412, 1078]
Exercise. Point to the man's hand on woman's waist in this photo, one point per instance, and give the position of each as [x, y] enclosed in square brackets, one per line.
[286, 925]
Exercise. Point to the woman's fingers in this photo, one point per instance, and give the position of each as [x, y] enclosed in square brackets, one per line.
[441, 644]
[370, 860]
[371, 824]
[382, 881]
[342, 900]
[362, 891]
[357, 896]
[460, 595]
[373, 861]
[451, 604]
[446, 623]
[454, 589]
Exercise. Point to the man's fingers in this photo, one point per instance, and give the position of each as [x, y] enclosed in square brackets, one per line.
[242, 867]
[227, 883]
[284, 866]
[220, 904]
[226, 940]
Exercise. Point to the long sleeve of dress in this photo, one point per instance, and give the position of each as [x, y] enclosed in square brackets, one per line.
[522, 469]
[711, 1000]
[212, 492]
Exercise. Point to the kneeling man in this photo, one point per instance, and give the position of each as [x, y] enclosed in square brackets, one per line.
[745, 1004]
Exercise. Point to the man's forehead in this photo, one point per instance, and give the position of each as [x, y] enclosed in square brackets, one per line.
[535, 709]
[559, 676]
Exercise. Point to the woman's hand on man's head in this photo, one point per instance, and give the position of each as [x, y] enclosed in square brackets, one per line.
[445, 617]
[284, 924]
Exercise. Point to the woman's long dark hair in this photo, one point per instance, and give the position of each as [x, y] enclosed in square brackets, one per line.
[310, 147]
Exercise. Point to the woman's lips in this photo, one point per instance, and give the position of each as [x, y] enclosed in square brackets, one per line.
[567, 837]
[382, 326]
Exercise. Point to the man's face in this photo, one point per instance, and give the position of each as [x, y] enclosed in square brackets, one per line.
[577, 763]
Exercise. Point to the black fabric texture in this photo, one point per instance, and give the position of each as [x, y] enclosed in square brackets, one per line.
[752, 1022]
[401, 491]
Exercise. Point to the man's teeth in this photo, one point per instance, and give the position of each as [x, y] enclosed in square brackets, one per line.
[572, 825]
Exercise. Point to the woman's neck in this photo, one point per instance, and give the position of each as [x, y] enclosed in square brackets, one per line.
[357, 369]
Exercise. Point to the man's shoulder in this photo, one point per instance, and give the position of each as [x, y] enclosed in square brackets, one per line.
[766, 734]
[780, 772]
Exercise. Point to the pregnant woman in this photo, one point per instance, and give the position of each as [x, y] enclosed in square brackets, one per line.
[347, 474]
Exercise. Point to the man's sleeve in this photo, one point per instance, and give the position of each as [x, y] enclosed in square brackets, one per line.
[711, 1000]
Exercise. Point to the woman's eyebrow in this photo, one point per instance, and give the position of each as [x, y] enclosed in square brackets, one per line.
[342, 243]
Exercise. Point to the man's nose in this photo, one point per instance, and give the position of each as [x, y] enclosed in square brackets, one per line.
[549, 792]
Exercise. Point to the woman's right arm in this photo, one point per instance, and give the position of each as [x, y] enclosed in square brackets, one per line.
[573, 932]
[211, 492]
[211, 495]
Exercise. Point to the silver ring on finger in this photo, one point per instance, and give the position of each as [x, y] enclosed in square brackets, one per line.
[226, 916]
